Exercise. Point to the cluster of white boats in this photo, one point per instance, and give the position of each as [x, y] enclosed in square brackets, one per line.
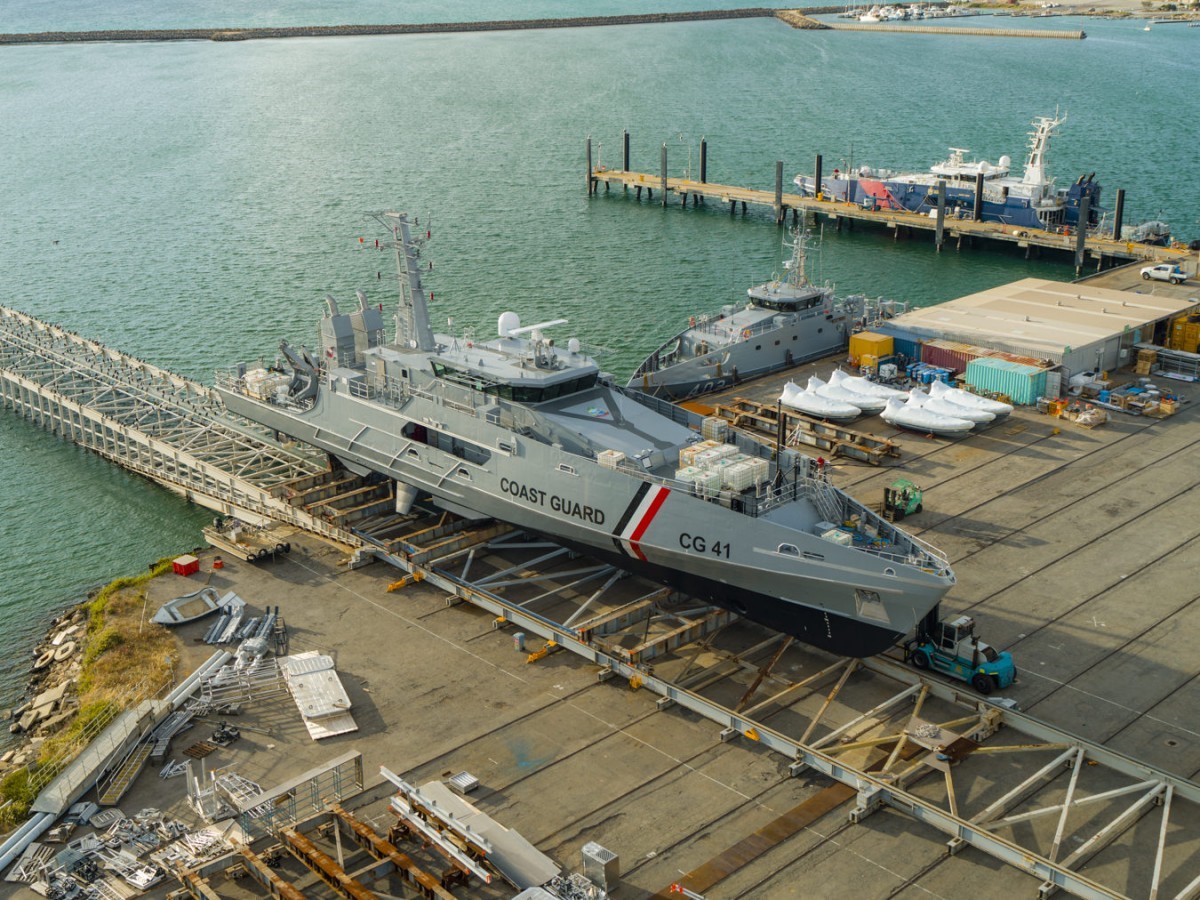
[914, 11]
[942, 410]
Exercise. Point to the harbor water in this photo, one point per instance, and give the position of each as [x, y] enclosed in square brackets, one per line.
[192, 202]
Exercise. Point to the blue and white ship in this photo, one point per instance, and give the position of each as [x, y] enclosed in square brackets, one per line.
[1030, 201]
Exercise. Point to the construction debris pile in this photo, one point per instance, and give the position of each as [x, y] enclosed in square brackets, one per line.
[121, 853]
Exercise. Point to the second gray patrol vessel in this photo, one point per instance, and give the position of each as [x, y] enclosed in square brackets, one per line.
[527, 432]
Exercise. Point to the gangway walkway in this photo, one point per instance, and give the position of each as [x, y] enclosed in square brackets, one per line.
[167, 428]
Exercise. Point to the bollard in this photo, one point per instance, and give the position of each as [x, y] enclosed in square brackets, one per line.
[519, 642]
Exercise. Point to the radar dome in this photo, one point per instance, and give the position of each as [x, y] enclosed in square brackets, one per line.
[985, 166]
[509, 322]
[1005, 162]
[573, 345]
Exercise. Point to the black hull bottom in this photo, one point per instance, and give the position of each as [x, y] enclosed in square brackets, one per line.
[836, 634]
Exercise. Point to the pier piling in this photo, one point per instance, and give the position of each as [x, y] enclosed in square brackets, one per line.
[978, 197]
[591, 181]
[939, 237]
[1081, 232]
[1119, 214]
[664, 174]
[779, 211]
[817, 177]
[703, 161]
[625, 150]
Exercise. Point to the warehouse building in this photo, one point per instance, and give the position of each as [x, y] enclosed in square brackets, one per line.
[1047, 323]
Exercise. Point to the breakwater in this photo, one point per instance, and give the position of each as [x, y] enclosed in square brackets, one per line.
[248, 34]
[976, 32]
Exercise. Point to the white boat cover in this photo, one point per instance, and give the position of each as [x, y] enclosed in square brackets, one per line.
[944, 407]
[816, 405]
[941, 390]
[905, 415]
[868, 403]
[865, 385]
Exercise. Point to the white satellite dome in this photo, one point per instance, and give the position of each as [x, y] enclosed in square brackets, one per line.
[508, 322]
[985, 166]
[1005, 161]
[573, 345]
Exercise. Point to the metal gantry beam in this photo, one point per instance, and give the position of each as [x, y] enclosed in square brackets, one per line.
[164, 427]
[827, 752]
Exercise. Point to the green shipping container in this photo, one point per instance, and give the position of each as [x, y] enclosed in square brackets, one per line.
[1024, 384]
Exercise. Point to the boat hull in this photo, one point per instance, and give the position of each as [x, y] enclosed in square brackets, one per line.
[814, 591]
[768, 351]
[919, 197]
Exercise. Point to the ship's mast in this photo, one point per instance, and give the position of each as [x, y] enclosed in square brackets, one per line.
[412, 315]
[1039, 144]
[797, 266]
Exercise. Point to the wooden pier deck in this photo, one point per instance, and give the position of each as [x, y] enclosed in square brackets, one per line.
[1100, 250]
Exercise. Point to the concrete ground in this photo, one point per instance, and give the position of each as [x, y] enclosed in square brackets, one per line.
[1075, 548]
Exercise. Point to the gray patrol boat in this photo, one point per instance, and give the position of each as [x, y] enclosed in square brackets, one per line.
[786, 322]
[527, 432]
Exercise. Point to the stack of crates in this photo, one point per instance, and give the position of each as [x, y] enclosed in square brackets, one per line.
[712, 466]
[714, 428]
[1185, 335]
[610, 459]
[1145, 361]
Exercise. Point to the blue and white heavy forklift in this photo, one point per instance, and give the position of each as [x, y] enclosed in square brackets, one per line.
[953, 648]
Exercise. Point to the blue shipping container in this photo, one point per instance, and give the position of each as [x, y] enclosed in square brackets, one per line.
[1024, 384]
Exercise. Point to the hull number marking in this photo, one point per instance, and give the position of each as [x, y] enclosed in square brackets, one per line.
[698, 544]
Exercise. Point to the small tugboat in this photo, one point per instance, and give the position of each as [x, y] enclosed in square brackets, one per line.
[786, 322]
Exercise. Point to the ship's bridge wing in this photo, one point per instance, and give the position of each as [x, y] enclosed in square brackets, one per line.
[607, 420]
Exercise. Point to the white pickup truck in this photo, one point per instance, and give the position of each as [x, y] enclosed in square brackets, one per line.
[1164, 272]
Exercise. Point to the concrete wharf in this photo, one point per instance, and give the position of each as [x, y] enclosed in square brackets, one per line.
[1069, 546]
[1099, 249]
[816, 771]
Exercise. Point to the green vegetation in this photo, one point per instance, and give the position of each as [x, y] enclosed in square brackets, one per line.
[125, 659]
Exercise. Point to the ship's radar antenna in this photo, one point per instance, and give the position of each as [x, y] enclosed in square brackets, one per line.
[412, 315]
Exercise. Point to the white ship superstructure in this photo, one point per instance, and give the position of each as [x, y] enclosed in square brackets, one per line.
[525, 430]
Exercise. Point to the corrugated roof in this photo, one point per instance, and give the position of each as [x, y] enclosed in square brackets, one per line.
[1041, 315]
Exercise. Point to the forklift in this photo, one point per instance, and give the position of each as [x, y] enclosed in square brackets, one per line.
[902, 499]
[954, 649]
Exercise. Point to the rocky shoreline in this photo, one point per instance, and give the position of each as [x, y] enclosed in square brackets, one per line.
[57, 661]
